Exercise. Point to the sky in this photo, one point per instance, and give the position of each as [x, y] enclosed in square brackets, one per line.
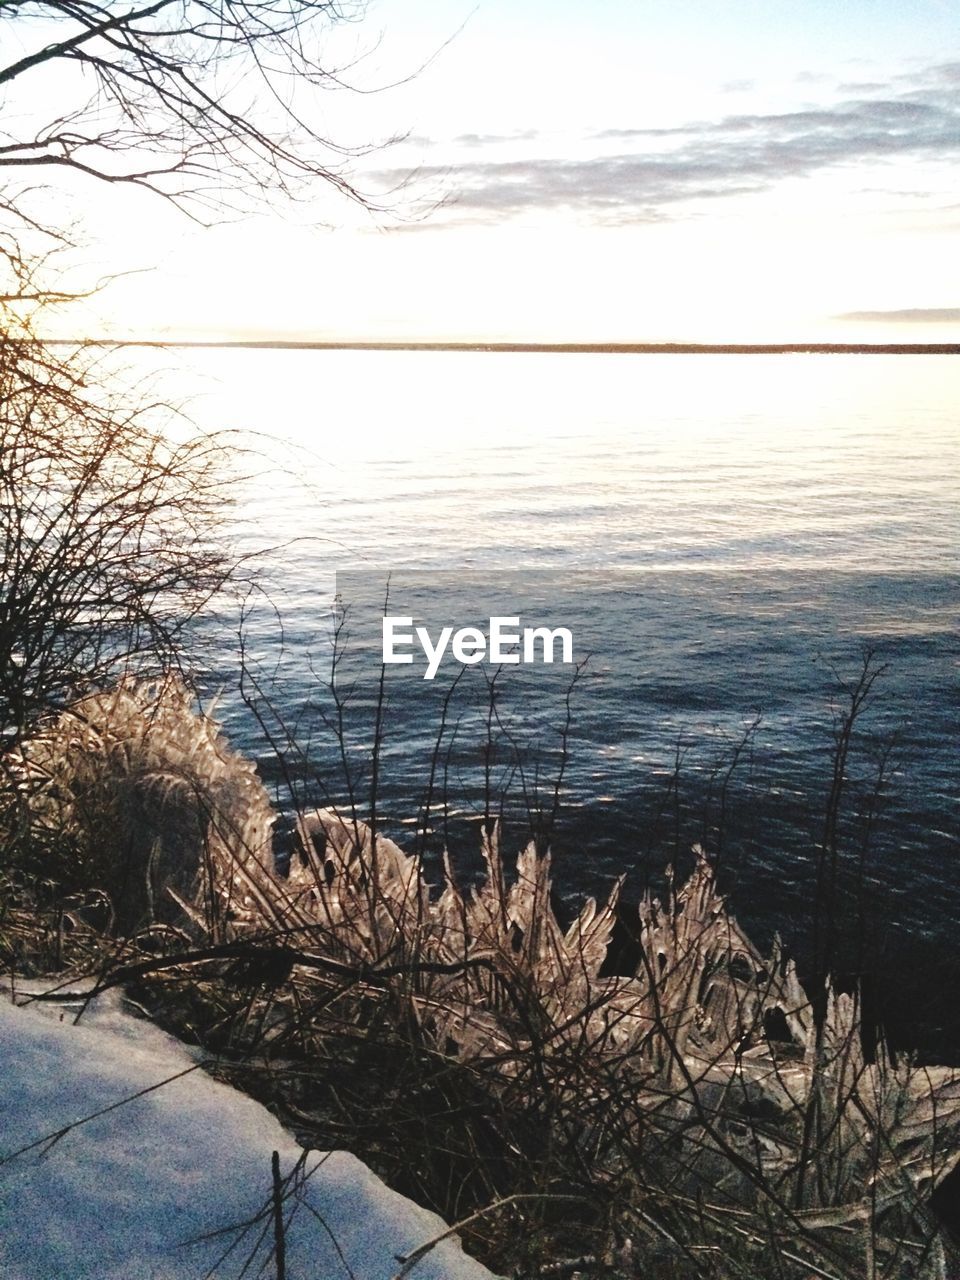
[671, 170]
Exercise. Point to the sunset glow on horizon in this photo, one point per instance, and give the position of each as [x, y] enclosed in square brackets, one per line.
[774, 174]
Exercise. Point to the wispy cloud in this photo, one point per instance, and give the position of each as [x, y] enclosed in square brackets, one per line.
[494, 139]
[908, 315]
[654, 170]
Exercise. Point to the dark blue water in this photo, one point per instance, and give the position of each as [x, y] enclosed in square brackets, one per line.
[726, 538]
[708, 700]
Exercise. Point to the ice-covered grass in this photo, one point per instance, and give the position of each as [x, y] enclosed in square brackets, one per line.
[173, 1182]
[691, 1104]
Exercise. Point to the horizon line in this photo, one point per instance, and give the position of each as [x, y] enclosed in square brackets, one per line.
[563, 348]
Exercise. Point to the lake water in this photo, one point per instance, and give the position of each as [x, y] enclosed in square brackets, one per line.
[723, 534]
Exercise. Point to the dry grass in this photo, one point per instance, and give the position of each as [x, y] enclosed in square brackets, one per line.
[693, 1118]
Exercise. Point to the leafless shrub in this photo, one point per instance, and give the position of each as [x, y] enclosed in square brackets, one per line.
[111, 510]
[108, 531]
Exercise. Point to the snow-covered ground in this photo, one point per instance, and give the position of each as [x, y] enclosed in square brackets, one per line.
[173, 1184]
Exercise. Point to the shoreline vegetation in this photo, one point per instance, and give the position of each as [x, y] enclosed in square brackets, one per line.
[532, 348]
[700, 1116]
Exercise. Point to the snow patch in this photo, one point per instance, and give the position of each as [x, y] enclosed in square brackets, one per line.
[130, 1194]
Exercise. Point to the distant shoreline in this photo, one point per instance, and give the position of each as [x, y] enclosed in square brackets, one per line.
[559, 348]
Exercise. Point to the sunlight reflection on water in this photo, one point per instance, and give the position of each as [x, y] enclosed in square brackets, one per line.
[427, 458]
[783, 467]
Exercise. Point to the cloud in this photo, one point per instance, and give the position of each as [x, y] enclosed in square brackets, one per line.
[863, 86]
[494, 139]
[944, 73]
[655, 171]
[909, 315]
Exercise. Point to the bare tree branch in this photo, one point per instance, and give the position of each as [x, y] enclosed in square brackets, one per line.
[225, 95]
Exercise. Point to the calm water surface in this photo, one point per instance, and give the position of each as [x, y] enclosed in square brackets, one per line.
[726, 532]
[500, 460]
